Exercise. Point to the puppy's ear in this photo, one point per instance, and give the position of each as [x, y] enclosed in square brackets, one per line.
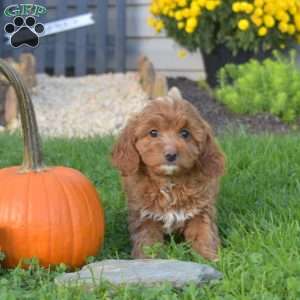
[124, 155]
[212, 159]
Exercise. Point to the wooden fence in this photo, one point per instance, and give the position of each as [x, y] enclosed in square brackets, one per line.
[97, 48]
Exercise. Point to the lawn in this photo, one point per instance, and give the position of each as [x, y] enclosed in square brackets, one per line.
[259, 213]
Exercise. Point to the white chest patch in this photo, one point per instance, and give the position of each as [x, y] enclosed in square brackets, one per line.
[172, 219]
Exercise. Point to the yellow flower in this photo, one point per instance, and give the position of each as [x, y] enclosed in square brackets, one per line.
[180, 25]
[155, 23]
[291, 29]
[293, 9]
[244, 6]
[257, 21]
[249, 8]
[243, 24]
[192, 22]
[262, 31]
[182, 3]
[151, 21]
[283, 5]
[202, 2]
[178, 15]
[186, 13]
[283, 27]
[270, 9]
[189, 29]
[182, 53]
[195, 3]
[211, 5]
[154, 9]
[259, 3]
[195, 10]
[159, 26]
[218, 2]
[165, 11]
[258, 12]
[282, 16]
[269, 21]
[236, 7]
[297, 22]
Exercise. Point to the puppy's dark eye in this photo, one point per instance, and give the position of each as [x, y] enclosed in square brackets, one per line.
[184, 133]
[154, 133]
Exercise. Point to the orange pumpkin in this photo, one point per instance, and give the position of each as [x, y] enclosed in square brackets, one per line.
[51, 213]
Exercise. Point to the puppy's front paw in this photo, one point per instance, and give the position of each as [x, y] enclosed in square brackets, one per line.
[139, 253]
[202, 233]
[209, 252]
[146, 234]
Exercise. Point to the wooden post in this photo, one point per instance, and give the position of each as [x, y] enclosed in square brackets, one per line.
[101, 38]
[40, 51]
[120, 36]
[60, 41]
[81, 43]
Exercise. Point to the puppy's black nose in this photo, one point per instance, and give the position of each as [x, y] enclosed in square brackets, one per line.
[170, 157]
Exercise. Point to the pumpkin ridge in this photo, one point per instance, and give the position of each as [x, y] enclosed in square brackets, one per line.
[76, 188]
[70, 214]
[26, 185]
[4, 214]
[10, 244]
[99, 229]
[26, 213]
[84, 196]
[48, 214]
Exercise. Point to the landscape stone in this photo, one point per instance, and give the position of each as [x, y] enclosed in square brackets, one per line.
[140, 62]
[160, 88]
[28, 69]
[146, 272]
[147, 75]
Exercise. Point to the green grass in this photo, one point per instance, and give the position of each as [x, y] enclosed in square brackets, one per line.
[259, 213]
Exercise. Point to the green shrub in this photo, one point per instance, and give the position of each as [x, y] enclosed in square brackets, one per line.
[271, 86]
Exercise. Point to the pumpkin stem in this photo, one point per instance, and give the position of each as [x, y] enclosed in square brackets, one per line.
[32, 160]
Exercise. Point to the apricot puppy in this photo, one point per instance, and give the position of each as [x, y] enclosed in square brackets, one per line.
[170, 167]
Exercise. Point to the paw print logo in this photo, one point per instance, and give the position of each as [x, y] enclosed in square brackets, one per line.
[24, 32]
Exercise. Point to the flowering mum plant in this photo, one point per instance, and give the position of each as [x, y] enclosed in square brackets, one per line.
[238, 25]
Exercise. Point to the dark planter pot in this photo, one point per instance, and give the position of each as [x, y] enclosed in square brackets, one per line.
[221, 56]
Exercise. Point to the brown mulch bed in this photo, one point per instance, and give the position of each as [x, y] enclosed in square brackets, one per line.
[220, 118]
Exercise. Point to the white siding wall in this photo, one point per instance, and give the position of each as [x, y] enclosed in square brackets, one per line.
[141, 39]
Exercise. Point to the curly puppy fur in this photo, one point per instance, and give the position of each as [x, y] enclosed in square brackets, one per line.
[170, 166]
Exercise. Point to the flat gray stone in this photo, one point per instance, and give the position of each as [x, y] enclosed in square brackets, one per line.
[141, 271]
